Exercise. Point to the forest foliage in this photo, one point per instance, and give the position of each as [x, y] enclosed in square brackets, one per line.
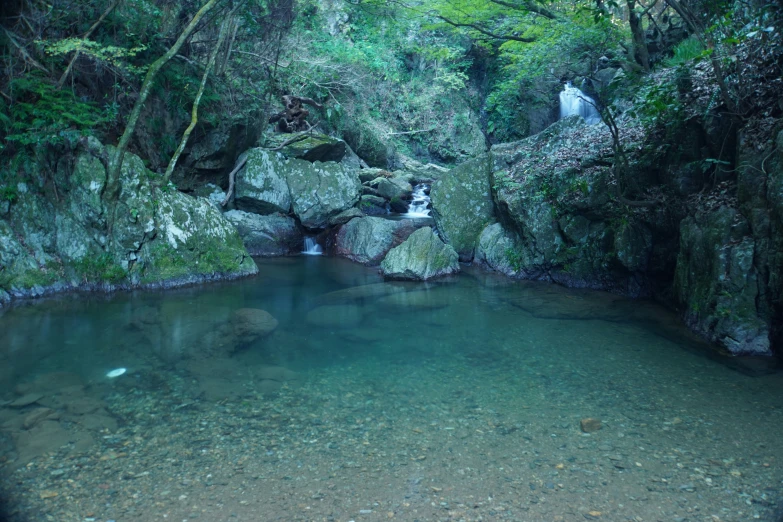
[415, 75]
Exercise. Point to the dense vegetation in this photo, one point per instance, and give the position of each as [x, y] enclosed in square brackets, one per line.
[421, 77]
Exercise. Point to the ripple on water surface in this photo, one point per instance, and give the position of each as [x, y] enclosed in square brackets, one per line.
[317, 390]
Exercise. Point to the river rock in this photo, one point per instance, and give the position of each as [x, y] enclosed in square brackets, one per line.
[272, 235]
[367, 240]
[367, 175]
[321, 191]
[250, 324]
[44, 437]
[26, 400]
[38, 415]
[261, 185]
[392, 188]
[590, 424]
[345, 216]
[462, 205]
[372, 205]
[420, 257]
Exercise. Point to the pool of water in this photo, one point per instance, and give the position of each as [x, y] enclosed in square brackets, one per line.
[465, 399]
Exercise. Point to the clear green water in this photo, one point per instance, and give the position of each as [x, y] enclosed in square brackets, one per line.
[458, 400]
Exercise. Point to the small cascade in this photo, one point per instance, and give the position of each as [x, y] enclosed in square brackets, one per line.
[311, 247]
[419, 207]
[573, 101]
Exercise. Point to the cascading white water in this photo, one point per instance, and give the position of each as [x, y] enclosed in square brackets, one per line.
[573, 101]
[419, 207]
[311, 247]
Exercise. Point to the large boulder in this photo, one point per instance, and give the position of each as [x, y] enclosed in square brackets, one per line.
[272, 235]
[420, 257]
[462, 205]
[261, 185]
[147, 237]
[321, 191]
[367, 240]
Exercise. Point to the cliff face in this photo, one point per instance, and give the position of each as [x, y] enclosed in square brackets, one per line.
[65, 234]
[710, 244]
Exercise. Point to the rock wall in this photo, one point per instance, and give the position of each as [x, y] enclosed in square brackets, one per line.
[710, 247]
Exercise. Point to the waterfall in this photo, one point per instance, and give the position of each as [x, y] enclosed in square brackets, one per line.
[573, 101]
[419, 207]
[311, 247]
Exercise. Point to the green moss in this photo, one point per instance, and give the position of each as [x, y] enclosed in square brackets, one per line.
[100, 269]
[45, 276]
[207, 258]
[514, 259]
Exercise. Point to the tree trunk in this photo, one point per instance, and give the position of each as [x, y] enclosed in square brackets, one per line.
[113, 182]
[640, 52]
[194, 110]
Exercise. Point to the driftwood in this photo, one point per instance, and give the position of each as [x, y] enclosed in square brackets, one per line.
[294, 117]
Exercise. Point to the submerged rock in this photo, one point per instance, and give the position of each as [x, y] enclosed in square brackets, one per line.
[359, 293]
[367, 240]
[420, 257]
[272, 235]
[250, 324]
[462, 205]
[417, 300]
[336, 316]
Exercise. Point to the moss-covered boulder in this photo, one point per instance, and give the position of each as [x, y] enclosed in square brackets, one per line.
[320, 191]
[462, 205]
[149, 235]
[272, 235]
[310, 147]
[367, 240]
[261, 185]
[420, 257]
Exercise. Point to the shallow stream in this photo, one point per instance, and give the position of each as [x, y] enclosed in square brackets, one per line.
[457, 400]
